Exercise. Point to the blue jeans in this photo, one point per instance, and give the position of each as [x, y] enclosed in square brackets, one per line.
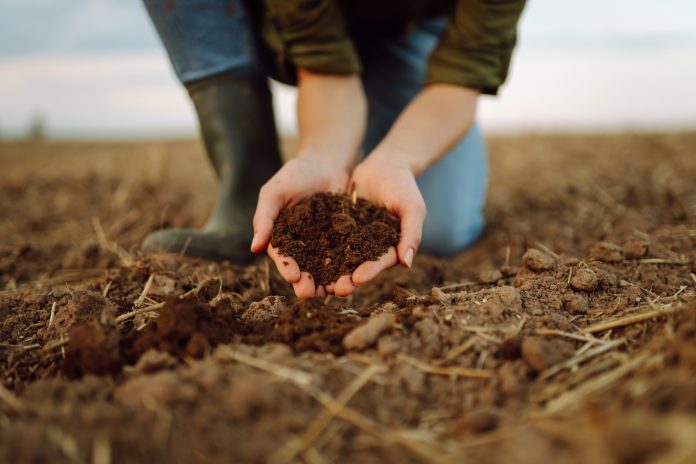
[206, 38]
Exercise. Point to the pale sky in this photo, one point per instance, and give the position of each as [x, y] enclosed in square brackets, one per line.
[95, 67]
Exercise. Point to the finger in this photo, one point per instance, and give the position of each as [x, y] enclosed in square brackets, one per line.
[267, 210]
[370, 269]
[411, 233]
[330, 288]
[287, 266]
[304, 288]
[320, 291]
[344, 286]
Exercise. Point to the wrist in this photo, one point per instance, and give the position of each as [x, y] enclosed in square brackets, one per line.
[397, 158]
[331, 157]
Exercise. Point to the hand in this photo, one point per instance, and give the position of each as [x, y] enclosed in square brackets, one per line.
[390, 183]
[329, 144]
[297, 179]
[425, 131]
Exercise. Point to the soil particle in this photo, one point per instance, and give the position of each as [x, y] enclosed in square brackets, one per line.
[162, 286]
[265, 310]
[367, 334]
[229, 303]
[537, 261]
[429, 332]
[568, 261]
[635, 248]
[635, 440]
[510, 297]
[93, 348]
[495, 308]
[513, 379]
[510, 271]
[248, 397]
[607, 280]
[387, 346]
[541, 353]
[154, 391]
[83, 306]
[575, 303]
[479, 421]
[177, 323]
[197, 346]
[154, 360]
[511, 346]
[329, 236]
[584, 279]
[490, 276]
[607, 252]
[412, 379]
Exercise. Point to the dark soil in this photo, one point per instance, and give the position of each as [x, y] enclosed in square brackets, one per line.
[330, 236]
[500, 354]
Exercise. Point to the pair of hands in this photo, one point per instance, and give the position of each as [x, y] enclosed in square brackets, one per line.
[377, 179]
[330, 137]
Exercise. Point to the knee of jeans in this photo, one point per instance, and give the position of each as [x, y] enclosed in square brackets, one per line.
[449, 235]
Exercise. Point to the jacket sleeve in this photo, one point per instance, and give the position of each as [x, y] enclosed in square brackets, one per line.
[313, 35]
[476, 47]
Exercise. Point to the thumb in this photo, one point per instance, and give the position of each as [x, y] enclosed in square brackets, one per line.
[267, 209]
[411, 232]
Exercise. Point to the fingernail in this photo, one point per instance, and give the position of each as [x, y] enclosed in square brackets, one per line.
[408, 257]
[254, 242]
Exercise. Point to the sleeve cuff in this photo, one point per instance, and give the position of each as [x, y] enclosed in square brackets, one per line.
[338, 57]
[311, 34]
[485, 70]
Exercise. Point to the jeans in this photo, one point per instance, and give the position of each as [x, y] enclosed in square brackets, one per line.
[206, 38]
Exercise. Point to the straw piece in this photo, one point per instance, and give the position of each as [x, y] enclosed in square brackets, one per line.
[573, 397]
[628, 320]
[454, 371]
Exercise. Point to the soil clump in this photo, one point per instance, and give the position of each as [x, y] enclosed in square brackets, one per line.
[330, 236]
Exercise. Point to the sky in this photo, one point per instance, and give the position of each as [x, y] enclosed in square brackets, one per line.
[96, 68]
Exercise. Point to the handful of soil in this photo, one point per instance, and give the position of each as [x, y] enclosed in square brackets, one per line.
[330, 236]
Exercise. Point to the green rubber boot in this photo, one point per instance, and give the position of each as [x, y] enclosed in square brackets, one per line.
[236, 120]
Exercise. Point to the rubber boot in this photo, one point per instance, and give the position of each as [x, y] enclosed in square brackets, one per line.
[236, 120]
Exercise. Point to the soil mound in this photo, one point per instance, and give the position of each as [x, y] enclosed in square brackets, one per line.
[330, 236]
[191, 328]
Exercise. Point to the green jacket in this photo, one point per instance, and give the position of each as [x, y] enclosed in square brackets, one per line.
[474, 50]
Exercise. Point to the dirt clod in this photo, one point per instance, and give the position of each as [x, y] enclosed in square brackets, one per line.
[366, 334]
[510, 297]
[537, 260]
[93, 349]
[83, 306]
[265, 310]
[607, 252]
[329, 236]
[481, 420]
[511, 346]
[490, 276]
[541, 353]
[636, 248]
[584, 279]
[575, 303]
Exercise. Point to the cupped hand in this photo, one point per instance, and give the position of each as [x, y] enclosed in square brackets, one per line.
[297, 179]
[392, 184]
[384, 182]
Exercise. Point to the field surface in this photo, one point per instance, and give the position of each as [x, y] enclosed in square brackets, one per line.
[566, 334]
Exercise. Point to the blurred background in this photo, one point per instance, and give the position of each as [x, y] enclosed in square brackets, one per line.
[95, 68]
